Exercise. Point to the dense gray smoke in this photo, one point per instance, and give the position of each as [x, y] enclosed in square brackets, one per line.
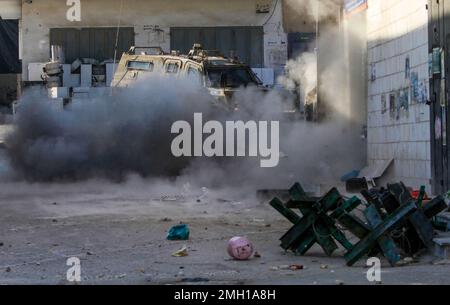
[129, 133]
[107, 137]
[125, 133]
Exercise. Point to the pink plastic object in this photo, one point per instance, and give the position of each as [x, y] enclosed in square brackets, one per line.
[240, 248]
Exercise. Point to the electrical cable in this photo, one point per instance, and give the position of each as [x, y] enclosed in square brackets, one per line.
[273, 12]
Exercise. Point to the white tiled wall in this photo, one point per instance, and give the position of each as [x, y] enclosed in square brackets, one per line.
[398, 29]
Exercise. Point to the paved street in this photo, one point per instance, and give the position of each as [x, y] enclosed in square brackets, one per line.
[118, 231]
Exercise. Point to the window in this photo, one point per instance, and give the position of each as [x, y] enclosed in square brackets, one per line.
[230, 77]
[172, 67]
[194, 74]
[140, 65]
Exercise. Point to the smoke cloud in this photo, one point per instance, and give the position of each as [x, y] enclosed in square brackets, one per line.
[106, 137]
[302, 15]
[129, 132]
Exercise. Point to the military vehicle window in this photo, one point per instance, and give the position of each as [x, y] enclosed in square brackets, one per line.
[194, 74]
[230, 77]
[172, 67]
[141, 65]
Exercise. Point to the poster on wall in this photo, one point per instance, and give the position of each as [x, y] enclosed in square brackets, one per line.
[415, 89]
[423, 93]
[352, 7]
[373, 72]
[407, 68]
[383, 104]
[436, 61]
[403, 103]
[393, 106]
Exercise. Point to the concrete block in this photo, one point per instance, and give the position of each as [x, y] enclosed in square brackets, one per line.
[35, 71]
[58, 92]
[110, 74]
[75, 80]
[67, 79]
[86, 76]
[442, 247]
[81, 92]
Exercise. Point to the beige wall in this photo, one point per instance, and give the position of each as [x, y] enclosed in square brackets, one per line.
[10, 9]
[398, 29]
[144, 15]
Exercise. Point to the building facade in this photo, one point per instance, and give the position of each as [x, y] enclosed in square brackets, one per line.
[398, 90]
[253, 28]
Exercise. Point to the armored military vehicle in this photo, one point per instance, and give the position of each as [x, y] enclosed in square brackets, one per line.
[221, 76]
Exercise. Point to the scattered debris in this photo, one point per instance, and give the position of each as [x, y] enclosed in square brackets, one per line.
[181, 253]
[173, 198]
[257, 254]
[258, 220]
[375, 171]
[296, 267]
[223, 200]
[194, 280]
[355, 185]
[441, 262]
[179, 232]
[323, 266]
[274, 268]
[397, 225]
[165, 219]
[240, 248]
[409, 260]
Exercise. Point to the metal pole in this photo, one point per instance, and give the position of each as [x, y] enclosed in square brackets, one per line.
[117, 35]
